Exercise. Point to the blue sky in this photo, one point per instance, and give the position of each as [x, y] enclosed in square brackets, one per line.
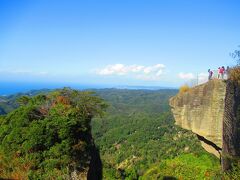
[118, 42]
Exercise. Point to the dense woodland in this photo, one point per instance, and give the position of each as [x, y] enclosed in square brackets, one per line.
[137, 139]
[48, 134]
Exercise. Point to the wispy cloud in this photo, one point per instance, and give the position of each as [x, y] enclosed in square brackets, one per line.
[186, 76]
[192, 79]
[202, 78]
[153, 72]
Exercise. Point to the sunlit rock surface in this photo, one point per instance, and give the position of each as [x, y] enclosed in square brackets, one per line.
[201, 110]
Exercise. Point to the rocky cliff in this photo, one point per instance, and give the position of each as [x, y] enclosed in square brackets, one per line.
[231, 126]
[210, 111]
[201, 110]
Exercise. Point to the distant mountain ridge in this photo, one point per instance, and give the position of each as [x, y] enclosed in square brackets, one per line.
[9, 102]
[145, 87]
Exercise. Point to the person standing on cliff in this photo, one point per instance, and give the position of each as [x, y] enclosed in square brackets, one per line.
[219, 70]
[222, 72]
[227, 72]
[210, 74]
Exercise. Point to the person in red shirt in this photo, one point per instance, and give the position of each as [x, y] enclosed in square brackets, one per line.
[222, 71]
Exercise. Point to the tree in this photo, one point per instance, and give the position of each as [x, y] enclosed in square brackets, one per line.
[236, 55]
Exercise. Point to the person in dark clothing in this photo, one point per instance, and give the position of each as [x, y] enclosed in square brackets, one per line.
[210, 74]
[222, 72]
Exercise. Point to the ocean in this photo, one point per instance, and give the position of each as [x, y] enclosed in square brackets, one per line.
[7, 88]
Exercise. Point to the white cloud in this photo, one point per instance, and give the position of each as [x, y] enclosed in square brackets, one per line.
[186, 76]
[193, 80]
[118, 69]
[202, 78]
[137, 71]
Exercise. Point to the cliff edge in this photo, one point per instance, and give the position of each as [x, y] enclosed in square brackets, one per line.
[210, 110]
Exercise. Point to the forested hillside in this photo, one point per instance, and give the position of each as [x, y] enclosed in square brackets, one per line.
[137, 139]
[49, 137]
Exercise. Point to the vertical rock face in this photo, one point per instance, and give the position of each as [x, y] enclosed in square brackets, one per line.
[201, 110]
[94, 169]
[231, 126]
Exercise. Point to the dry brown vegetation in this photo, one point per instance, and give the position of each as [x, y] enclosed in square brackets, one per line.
[235, 74]
[184, 88]
[15, 168]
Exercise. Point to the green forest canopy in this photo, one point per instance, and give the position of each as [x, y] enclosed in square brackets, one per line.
[136, 136]
[48, 135]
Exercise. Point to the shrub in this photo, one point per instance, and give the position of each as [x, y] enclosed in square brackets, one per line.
[234, 173]
[235, 74]
[184, 88]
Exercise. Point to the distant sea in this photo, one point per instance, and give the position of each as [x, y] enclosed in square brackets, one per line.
[7, 88]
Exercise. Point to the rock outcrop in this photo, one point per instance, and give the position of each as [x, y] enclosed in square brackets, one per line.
[201, 110]
[211, 110]
[94, 169]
